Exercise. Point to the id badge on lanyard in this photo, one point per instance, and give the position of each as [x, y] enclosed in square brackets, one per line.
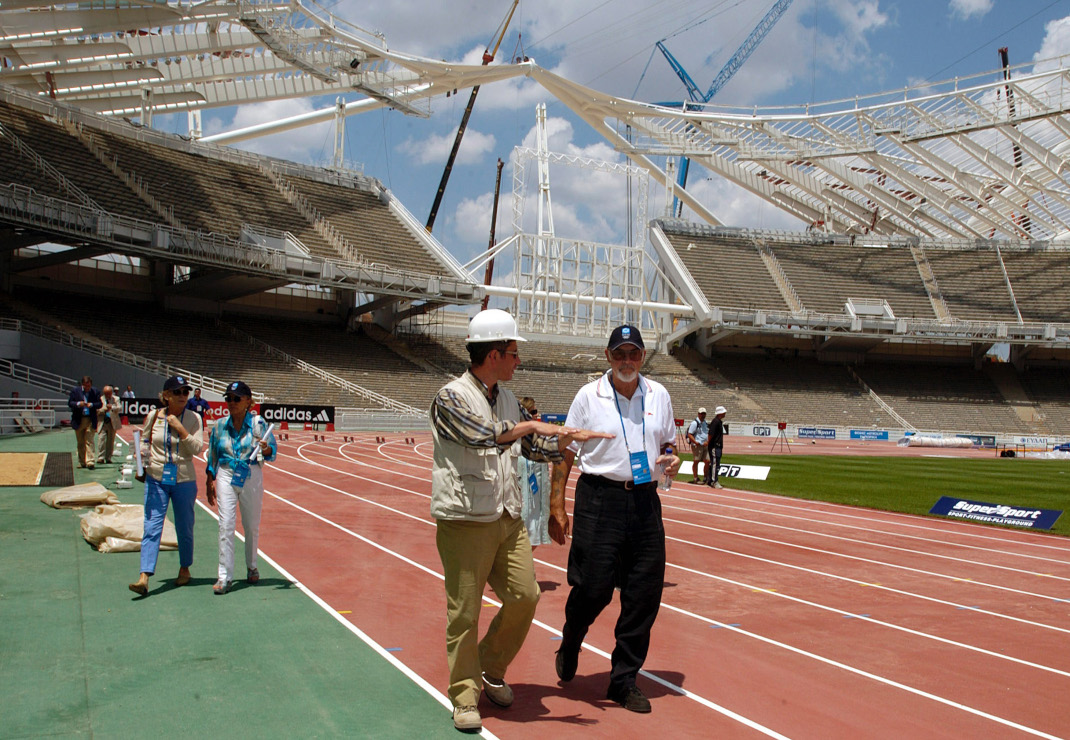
[239, 473]
[640, 468]
[638, 461]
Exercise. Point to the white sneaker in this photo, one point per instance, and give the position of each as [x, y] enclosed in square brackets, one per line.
[717, 485]
[467, 719]
[498, 691]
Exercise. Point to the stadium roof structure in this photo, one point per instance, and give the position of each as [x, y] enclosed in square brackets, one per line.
[979, 160]
[974, 158]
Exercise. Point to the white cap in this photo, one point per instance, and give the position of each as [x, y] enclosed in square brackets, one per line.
[720, 410]
[493, 325]
[702, 411]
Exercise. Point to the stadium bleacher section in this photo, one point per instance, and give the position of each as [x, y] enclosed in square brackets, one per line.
[143, 174]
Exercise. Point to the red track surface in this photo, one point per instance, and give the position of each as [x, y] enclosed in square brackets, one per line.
[780, 616]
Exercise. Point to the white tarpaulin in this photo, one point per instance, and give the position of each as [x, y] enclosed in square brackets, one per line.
[78, 497]
[118, 528]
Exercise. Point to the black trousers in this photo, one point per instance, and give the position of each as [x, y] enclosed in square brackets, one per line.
[617, 539]
[715, 464]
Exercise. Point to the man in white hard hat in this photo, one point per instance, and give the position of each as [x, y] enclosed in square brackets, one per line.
[618, 537]
[716, 446]
[478, 429]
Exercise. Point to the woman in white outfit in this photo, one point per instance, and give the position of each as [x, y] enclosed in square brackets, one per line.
[237, 450]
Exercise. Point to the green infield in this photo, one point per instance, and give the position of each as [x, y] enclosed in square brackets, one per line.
[910, 484]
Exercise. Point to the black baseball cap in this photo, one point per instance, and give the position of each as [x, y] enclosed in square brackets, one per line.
[238, 388]
[626, 334]
[176, 382]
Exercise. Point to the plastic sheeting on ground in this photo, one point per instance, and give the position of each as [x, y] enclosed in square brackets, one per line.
[921, 440]
[79, 496]
[119, 527]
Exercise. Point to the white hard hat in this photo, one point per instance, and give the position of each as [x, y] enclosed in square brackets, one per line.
[493, 325]
[720, 410]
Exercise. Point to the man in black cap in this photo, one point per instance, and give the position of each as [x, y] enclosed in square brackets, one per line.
[617, 533]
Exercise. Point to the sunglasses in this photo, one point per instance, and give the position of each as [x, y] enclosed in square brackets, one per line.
[232, 399]
[180, 392]
[621, 354]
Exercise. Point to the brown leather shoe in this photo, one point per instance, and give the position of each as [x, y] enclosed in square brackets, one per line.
[183, 578]
[139, 588]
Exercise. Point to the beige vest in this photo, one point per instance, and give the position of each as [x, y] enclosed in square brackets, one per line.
[476, 483]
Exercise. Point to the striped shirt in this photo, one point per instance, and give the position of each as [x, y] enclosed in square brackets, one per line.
[457, 422]
[228, 445]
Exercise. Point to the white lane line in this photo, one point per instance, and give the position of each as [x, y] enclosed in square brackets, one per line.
[412, 675]
[958, 527]
[707, 528]
[871, 620]
[761, 638]
[867, 543]
[983, 548]
[867, 674]
[871, 561]
[678, 689]
[877, 586]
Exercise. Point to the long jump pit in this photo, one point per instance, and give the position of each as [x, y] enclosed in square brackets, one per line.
[36, 469]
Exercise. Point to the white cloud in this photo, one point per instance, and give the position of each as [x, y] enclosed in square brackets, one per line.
[965, 9]
[435, 149]
[1056, 41]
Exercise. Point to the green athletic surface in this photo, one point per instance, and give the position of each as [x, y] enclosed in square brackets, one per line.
[83, 656]
[909, 484]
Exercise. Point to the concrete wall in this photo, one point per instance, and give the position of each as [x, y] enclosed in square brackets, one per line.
[74, 363]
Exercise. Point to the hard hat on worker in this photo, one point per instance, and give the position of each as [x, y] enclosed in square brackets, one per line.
[493, 325]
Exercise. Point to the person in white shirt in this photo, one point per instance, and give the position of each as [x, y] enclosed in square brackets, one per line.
[617, 533]
[697, 434]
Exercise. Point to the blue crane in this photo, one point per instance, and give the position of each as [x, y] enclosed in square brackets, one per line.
[727, 72]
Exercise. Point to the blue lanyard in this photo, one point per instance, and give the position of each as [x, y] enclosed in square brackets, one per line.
[167, 426]
[642, 406]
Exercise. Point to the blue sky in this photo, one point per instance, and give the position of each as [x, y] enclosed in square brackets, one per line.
[820, 50]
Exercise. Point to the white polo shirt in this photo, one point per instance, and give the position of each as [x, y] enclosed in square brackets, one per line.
[594, 408]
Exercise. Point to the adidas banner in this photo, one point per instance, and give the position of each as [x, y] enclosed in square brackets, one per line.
[277, 413]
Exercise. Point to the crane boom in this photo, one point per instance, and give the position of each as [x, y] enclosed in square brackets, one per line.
[747, 48]
[721, 79]
[488, 57]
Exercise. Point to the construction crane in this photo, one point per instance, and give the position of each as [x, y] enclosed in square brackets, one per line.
[727, 72]
[488, 57]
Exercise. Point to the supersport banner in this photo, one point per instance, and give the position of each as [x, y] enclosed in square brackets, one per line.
[979, 511]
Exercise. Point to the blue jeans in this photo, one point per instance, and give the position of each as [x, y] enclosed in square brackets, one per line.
[182, 496]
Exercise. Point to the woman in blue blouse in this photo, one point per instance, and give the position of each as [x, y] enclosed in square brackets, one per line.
[237, 451]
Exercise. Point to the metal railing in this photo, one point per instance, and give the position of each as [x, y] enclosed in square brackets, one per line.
[108, 352]
[320, 373]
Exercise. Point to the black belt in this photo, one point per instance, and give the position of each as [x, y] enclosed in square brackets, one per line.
[625, 485]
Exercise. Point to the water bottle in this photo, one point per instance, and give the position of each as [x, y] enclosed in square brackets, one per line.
[665, 482]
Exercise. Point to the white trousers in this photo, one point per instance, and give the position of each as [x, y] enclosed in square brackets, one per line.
[249, 499]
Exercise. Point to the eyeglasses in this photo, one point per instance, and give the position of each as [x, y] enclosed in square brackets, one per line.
[232, 399]
[180, 392]
[513, 352]
[619, 355]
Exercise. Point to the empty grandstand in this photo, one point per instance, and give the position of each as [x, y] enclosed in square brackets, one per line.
[921, 256]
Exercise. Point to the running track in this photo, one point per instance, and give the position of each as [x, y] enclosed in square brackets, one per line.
[780, 617]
